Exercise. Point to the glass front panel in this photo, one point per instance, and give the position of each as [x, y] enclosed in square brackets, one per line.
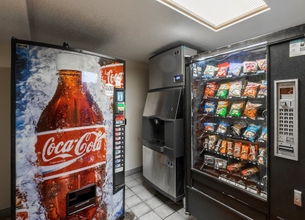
[229, 119]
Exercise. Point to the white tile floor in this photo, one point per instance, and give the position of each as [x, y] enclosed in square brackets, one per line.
[148, 204]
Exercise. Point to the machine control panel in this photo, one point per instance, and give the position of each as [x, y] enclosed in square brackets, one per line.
[119, 138]
[286, 118]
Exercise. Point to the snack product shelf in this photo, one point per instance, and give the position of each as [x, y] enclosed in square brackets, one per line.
[229, 119]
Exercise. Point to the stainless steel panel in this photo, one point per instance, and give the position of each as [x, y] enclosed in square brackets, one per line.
[164, 67]
[160, 170]
[162, 104]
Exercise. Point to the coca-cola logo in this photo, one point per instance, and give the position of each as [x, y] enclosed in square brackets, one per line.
[88, 142]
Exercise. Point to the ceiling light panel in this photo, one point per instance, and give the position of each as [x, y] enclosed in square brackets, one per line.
[217, 14]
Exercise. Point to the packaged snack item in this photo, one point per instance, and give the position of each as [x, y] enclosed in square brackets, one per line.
[208, 126]
[222, 108]
[222, 127]
[212, 142]
[209, 160]
[237, 149]
[210, 90]
[222, 69]
[249, 66]
[209, 107]
[236, 109]
[217, 146]
[236, 88]
[251, 89]
[223, 90]
[251, 132]
[230, 149]
[253, 152]
[261, 156]
[206, 143]
[262, 64]
[220, 163]
[250, 171]
[223, 148]
[209, 72]
[263, 88]
[263, 136]
[235, 167]
[251, 110]
[244, 151]
[234, 69]
[238, 128]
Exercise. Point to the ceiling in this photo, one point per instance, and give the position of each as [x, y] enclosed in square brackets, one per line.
[132, 29]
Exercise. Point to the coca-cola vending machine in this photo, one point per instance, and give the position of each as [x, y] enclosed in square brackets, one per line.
[68, 131]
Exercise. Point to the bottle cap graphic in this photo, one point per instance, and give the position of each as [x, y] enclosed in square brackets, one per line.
[69, 61]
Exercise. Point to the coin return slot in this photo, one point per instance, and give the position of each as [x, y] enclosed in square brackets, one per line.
[287, 149]
[81, 199]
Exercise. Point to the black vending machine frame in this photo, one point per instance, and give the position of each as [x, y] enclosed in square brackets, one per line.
[287, 175]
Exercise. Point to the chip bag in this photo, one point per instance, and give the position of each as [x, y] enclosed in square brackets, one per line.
[208, 126]
[238, 128]
[250, 66]
[209, 107]
[222, 127]
[236, 109]
[222, 108]
[263, 136]
[234, 69]
[251, 89]
[222, 69]
[262, 64]
[236, 88]
[251, 132]
[263, 88]
[209, 72]
[223, 90]
[210, 89]
[251, 110]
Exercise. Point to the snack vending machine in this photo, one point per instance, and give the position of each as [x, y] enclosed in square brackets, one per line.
[244, 151]
[228, 155]
[68, 132]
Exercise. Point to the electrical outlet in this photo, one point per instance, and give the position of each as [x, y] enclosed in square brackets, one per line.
[297, 197]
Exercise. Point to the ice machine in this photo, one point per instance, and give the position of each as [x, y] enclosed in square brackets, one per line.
[163, 123]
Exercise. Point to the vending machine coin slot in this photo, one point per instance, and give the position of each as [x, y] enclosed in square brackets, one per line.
[286, 121]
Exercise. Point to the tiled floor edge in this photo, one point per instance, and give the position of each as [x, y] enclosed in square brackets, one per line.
[132, 171]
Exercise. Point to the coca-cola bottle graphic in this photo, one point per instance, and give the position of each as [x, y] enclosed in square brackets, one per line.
[71, 144]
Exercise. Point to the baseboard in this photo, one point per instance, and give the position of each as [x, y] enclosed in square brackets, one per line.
[132, 171]
[5, 213]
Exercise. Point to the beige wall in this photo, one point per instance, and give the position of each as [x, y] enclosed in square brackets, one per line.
[5, 138]
[136, 88]
[5, 168]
